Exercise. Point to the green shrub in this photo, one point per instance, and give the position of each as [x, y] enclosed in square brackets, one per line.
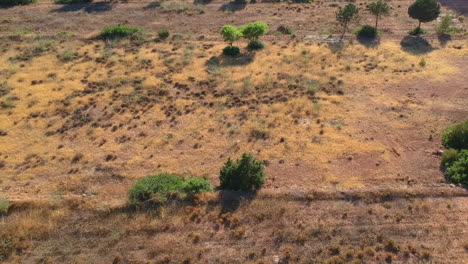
[255, 45]
[448, 157]
[121, 31]
[417, 31]
[456, 136]
[366, 31]
[4, 205]
[244, 174]
[457, 172]
[254, 30]
[163, 34]
[196, 185]
[232, 51]
[161, 185]
[16, 2]
[230, 33]
[72, 1]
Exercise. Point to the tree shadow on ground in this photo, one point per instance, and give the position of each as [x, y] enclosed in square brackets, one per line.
[215, 64]
[90, 8]
[416, 45]
[230, 201]
[153, 5]
[444, 39]
[233, 6]
[369, 42]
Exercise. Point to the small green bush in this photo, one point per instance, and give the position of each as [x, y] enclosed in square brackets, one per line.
[4, 206]
[456, 136]
[255, 45]
[244, 174]
[16, 2]
[417, 31]
[448, 157]
[196, 185]
[121, 31]
[72, 1]
[457, 172]
[232, 51]
[163, 34]
[366, 31]
[446, 26]
[161, 185]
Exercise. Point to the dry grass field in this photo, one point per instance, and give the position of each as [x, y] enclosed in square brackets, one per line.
[349, 135]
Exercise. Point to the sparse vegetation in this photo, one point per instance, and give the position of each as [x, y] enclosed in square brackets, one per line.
[343, 135]
[243, 174]
[446, 26]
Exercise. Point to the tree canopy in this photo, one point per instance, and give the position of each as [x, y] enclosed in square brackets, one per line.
[424, 10]
[230, 33]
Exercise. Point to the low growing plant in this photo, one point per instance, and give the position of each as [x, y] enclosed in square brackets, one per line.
[232, 51]
[161, 185]
[163, 34]
[255, 45]
[417, 31]
[122, 31]
[366, 31]
[196, 185]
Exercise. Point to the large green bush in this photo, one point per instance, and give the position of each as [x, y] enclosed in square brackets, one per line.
[161, 185]
[456, 136]
[457, 172]
[16, 2]
[122, 31]
[244, 174]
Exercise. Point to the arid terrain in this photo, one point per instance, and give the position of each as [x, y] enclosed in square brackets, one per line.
[350, 135]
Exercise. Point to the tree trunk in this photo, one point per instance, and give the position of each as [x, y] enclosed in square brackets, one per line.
[344, 31]
[376, 21]
[419, 28]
